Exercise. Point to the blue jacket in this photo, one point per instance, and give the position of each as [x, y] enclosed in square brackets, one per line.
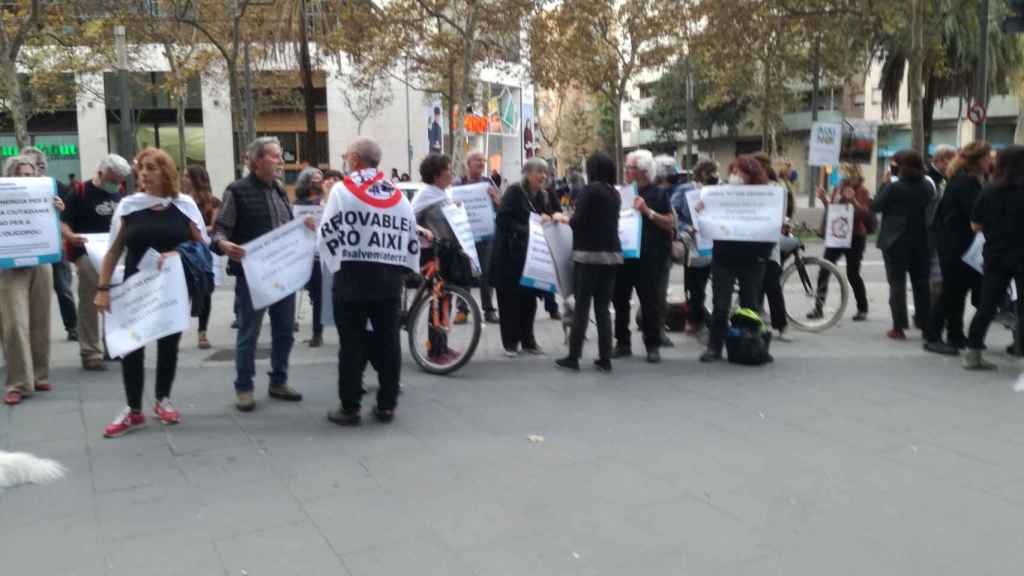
[197, 261]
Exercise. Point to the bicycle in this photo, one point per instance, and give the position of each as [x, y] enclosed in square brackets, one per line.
[805, 284]
[439, 340]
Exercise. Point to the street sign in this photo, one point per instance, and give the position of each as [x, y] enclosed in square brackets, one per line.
[977, 113]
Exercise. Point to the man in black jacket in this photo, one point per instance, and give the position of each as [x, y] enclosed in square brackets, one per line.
[253, 206]
[645, 273]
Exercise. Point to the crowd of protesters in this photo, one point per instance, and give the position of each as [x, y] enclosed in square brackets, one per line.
[927, 214]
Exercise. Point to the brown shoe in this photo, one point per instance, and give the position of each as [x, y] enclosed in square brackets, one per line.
[285, 392]
[316, 341]
[94, 365]
[204, 343]
[245, 402]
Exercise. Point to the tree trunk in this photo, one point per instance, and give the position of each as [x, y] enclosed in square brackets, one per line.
[928, 115]
[1018, 135]
[311, 152]
[617, 137]
[15, 101]
[915, 79]
[182, 144]
[236, 115]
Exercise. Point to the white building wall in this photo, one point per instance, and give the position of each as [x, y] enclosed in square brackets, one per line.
[92, 123]
[218, 134]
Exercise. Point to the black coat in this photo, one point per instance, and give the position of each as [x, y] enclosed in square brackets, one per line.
[512, 234]
[904, 208]
[958, 201]
[595, 224]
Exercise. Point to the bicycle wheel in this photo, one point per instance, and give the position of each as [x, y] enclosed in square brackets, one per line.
[801, 288]
[444, 330]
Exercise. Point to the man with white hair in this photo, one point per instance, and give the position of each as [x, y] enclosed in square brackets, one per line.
[61, 270]
[368, 240]
[253, 206]
[476, 167]
[90, 212]
[644, 274]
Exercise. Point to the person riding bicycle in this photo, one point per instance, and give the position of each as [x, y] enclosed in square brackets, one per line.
[435, 171]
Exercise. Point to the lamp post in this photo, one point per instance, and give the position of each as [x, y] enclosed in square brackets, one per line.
[126, 140]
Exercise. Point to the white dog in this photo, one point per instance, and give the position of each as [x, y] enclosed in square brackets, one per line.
[22, 468]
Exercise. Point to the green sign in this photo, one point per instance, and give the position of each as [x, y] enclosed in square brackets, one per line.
[52, 151]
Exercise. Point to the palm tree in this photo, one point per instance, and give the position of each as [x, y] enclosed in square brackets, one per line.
[951, 57]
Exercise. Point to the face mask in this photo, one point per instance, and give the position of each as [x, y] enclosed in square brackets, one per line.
[736, 179]
[111, 187]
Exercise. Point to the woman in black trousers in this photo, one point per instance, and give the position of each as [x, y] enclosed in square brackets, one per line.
[517, 304]
[903, 240]
[967, 173]
[597, 255]
[999, 213]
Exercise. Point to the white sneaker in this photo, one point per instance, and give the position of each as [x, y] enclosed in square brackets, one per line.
[781, 336]
[511, 353]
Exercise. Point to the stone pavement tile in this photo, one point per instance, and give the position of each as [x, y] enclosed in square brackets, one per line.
[39, 419]
[165, 553]
[420, 555]
[329, 477]
[198, 433]
[368, 520]
[147, 510]
[956, 467]
[222, 468]
[71, 496]
[293, 549]
[126, 467]
[233, 510]
[531, 554]
[64, 547]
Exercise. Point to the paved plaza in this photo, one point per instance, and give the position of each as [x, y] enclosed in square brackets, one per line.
[850, 455]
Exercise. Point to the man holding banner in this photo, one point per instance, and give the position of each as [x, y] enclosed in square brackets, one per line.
[644, 274]
[254, 206]
[476, 165]
[368, 241]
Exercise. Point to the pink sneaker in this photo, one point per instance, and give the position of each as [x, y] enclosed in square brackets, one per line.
[166, 411]
[125, 422]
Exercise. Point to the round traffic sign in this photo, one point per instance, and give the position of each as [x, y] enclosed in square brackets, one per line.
[977, 113]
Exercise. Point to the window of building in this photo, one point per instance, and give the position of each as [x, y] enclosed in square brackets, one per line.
[627, 126]
[647, 90]
[645, 123]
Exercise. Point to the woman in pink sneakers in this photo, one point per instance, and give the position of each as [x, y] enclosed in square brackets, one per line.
[160, 219]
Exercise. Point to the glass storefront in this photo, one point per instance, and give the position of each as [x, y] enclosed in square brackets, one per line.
[61, 149]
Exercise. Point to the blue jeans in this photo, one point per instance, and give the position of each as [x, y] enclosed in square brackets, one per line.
[282, 326]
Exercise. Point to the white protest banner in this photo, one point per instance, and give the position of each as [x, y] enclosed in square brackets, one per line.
[559, 237]
[704, 244]
[631, 226]
[628, 194]
[458, 219]
[476, 198]
[839, 226]
[741, 213]
[975, 255]
[300, 211]
[826, 142]
[326, 294]
[279, 263]
[367, 219]
[219, 265]
[96, 248]
[29, 224]
[149, 305]
[539, 269]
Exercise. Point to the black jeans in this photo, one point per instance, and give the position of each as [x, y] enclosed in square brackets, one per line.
[204, 317]
[723, 281]
[696, 280]
[133, 370]
[315, 288]
[957, 280]
[914, 259]
[65, 299]
[517, 308]
[772, 290]
[644, 276]
[359, 346]
[998, 274]
[593, 283]
[854, 256]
